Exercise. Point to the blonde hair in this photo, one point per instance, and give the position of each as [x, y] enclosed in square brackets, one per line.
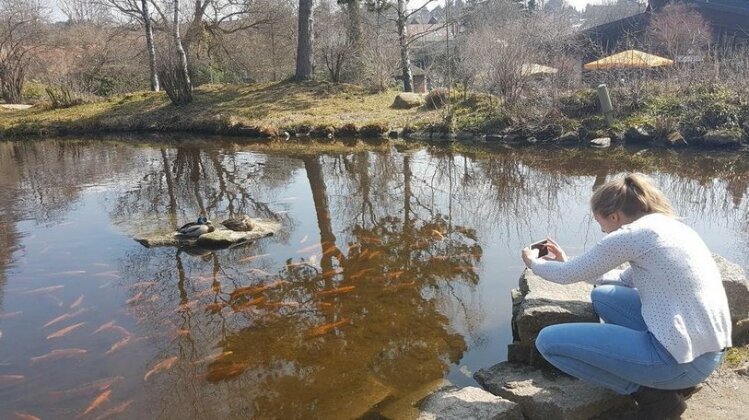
[633, 195]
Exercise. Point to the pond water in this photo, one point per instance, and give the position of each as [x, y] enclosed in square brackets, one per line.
[393, 269]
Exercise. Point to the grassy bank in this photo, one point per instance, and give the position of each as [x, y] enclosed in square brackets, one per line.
[252, 110]
[668, 114]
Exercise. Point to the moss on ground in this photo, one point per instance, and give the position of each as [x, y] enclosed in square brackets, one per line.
[736, 356]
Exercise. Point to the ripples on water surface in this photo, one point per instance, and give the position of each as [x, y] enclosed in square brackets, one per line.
[393, 270]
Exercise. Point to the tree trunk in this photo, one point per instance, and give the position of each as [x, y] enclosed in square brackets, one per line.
[11, 82]
[408, 81]
[178, 45]
[150, 46]
[305, 65]
[355, 34]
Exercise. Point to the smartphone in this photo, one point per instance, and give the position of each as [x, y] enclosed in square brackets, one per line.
[541, 247]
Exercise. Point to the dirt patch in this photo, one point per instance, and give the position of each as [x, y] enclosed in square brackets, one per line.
[725, 395]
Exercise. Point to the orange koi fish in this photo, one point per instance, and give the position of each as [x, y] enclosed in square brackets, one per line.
[280, 304]
[251, 290]
[58, 354]
[310, 248]
[437, 234]
[213, 357]
[396, 287]
[135, 298]
[104, 327]
[11, 379]
[247, 305]
[161, 366]
[99, 385]
[64, 317]
[374, 254]
[224, 371]
[65, 330]
[77, 302]
[99, 400]
[25, 416]
[44, 289]
[69, 273]
[183, 332]
[142, 284]
[108, 274]
[394, 275]
[10, 314]
[215, 307]
[336, 291]
[326, 328]
[117, 409]
[251, 257]
[361, 273]
[259, 271]
[120, 344]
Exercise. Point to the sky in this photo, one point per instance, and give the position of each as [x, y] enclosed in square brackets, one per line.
[577, 4]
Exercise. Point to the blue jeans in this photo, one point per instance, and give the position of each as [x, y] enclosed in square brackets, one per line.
[621, 354]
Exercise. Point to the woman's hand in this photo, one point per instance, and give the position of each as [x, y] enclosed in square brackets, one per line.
[528, 254]
[555, 250]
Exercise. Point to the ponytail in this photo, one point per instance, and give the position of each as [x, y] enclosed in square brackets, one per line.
[633, 195]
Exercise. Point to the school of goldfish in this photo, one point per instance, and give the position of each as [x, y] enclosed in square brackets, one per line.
[101, 394]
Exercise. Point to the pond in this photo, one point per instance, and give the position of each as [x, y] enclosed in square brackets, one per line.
[392, 272]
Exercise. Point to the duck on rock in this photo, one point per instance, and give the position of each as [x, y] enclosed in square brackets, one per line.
[238, 224]
[202, 219]
[193, 230]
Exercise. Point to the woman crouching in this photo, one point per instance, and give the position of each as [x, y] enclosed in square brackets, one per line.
[666, 318]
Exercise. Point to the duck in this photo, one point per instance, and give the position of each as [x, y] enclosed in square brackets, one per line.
[201, 221]
[238, 224]
[195, 230]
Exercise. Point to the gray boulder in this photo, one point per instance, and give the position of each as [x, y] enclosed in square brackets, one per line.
[568, 138]
[544, 395]
[723, 138]
[407, 100]
[538, 303]
[737, 290]
[639, 134]
[601, 142]
[468, 403]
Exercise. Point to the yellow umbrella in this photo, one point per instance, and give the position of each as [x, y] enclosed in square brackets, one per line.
[630, 59]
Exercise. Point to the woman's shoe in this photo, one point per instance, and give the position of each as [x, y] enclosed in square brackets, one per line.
[658, 404]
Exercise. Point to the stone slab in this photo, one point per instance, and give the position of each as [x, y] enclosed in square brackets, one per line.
[468, 403]
[544, 395]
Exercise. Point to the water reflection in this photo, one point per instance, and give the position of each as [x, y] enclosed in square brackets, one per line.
[393, 269]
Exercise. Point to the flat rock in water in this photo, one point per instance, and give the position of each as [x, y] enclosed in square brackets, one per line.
[221, 237]
[545, 395]
[601, 142]
[468, 403]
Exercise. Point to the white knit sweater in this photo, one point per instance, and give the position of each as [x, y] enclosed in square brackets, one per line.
[683, 301]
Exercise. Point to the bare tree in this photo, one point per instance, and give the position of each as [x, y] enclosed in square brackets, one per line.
[679, 30]
[21, 33]
[84, 11]
[174, 72]
[305, 65]
[140, 12]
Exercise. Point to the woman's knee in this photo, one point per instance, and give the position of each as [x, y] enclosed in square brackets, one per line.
[549, 338]
[602, 293]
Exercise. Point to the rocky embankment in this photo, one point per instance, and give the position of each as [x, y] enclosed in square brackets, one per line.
[527, 387]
